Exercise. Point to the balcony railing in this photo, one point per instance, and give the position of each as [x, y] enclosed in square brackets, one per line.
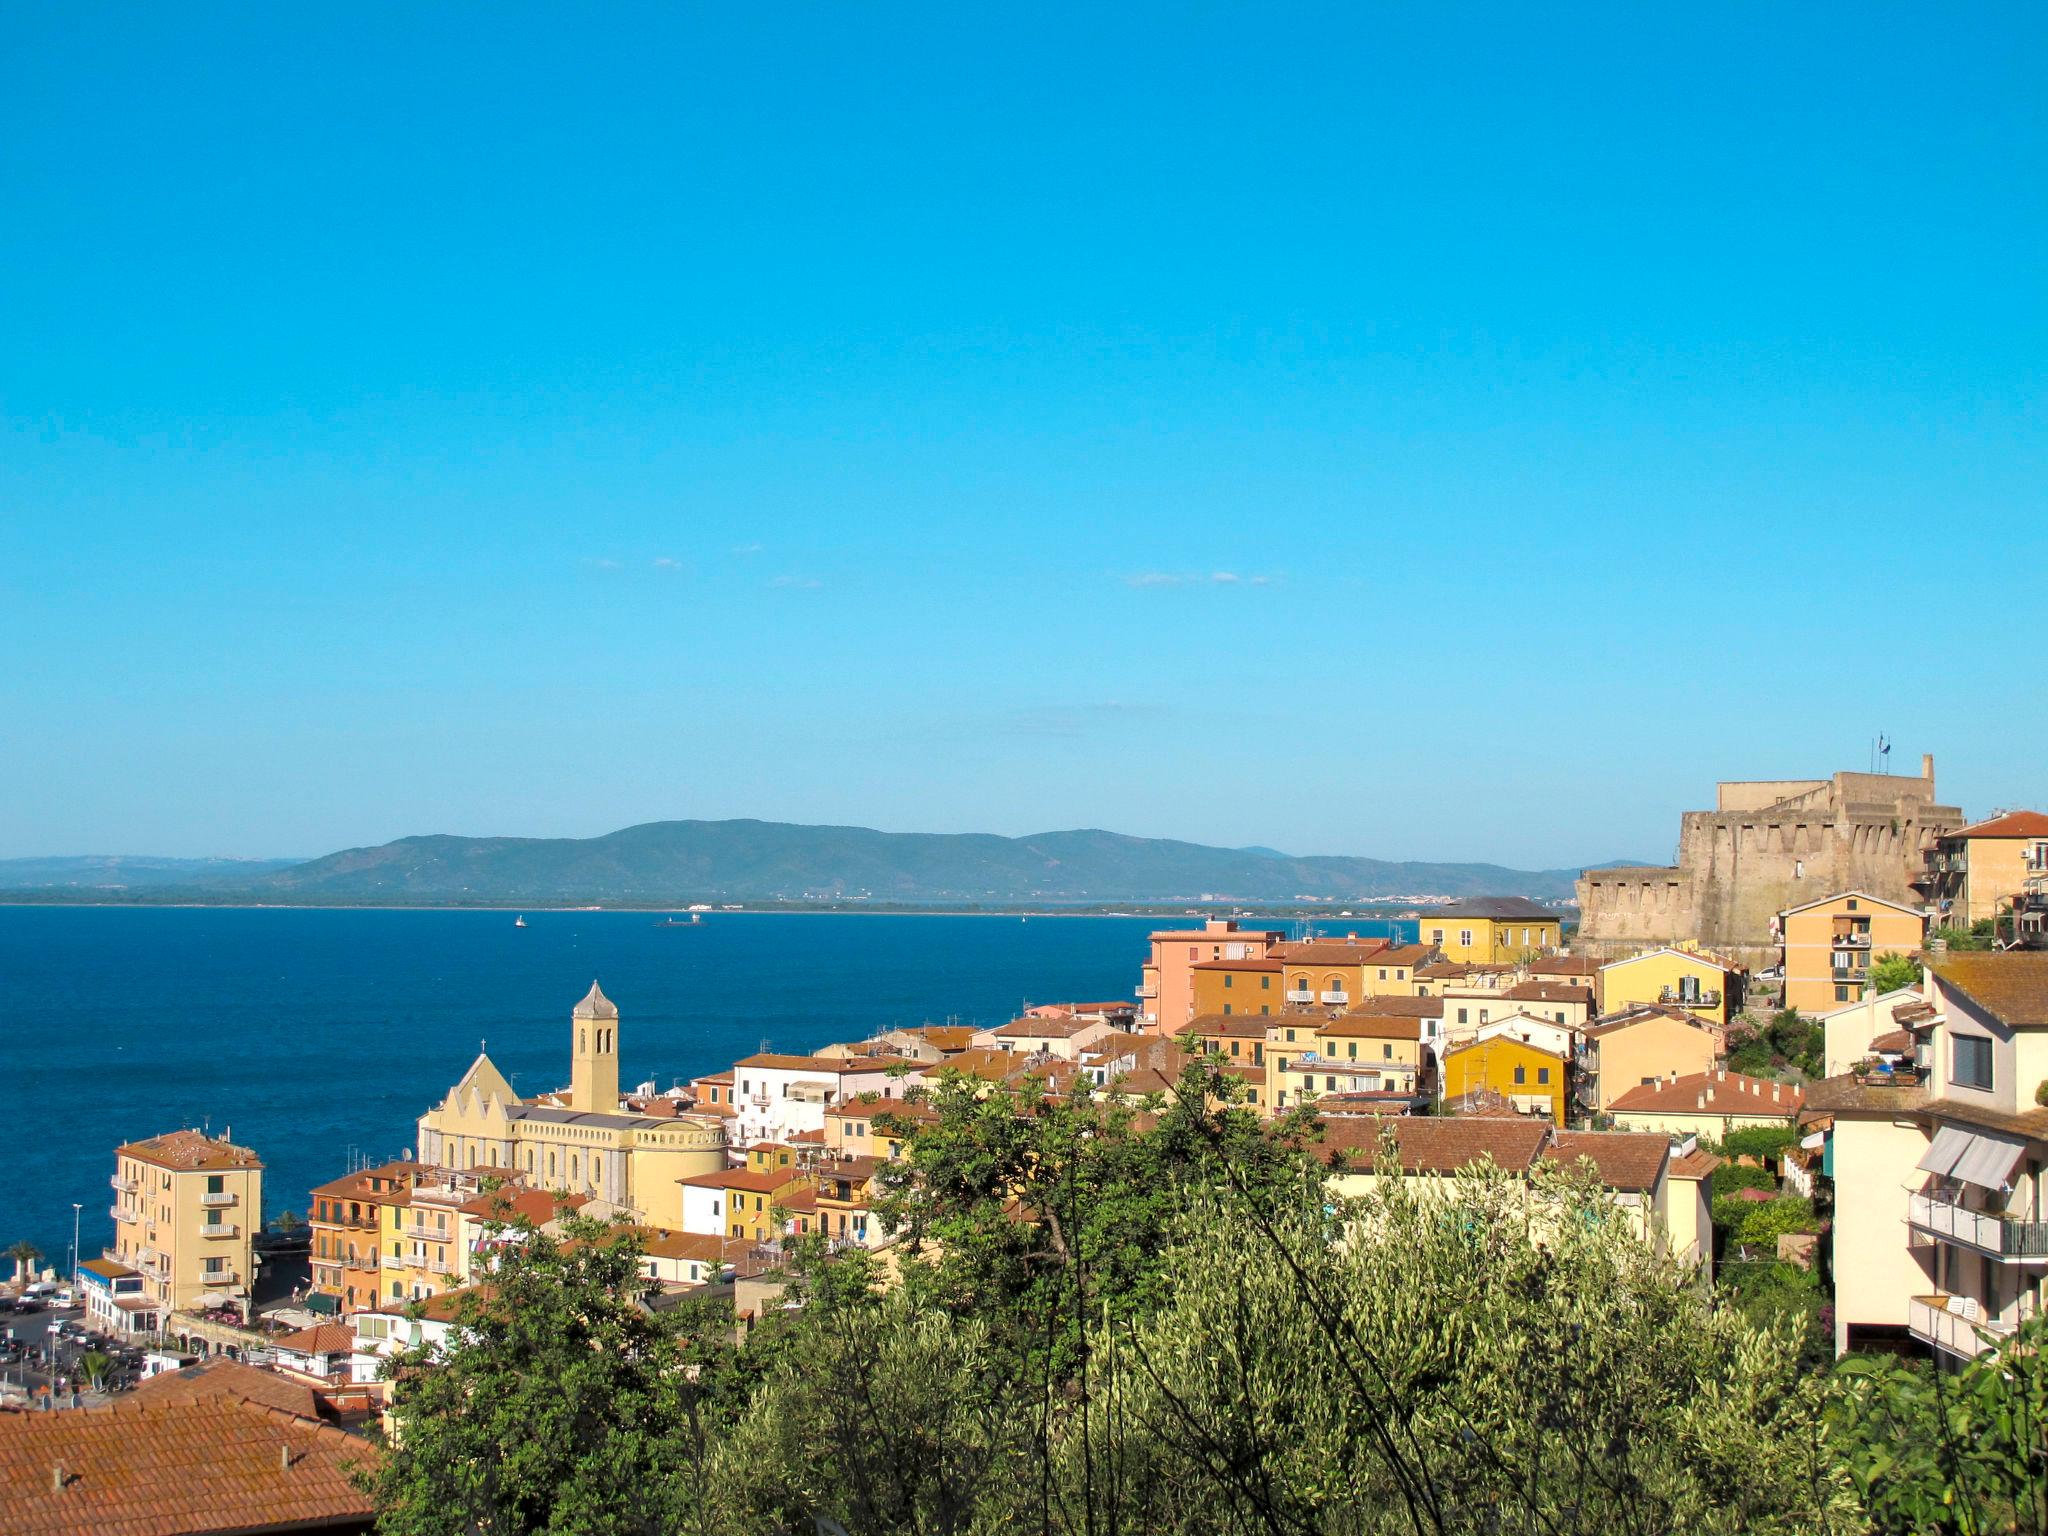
[1710, 999]
[1300, 995]
[1145, 989]
[1851, 973]
[1852, 941]
[1336, 998]
[1929, 1319]
[219, 1229]
[1987, 1231]
[126, 1186]
[122, 1213]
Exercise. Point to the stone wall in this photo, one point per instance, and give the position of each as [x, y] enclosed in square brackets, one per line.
[1742, 863]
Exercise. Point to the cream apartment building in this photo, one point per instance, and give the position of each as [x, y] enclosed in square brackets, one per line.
[186, 1210]
[1941, 1218]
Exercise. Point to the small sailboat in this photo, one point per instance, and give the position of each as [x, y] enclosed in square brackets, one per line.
[696, 920]
[519, 921]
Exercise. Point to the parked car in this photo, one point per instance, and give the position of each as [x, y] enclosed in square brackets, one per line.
[41, 1288]
[63, 1297]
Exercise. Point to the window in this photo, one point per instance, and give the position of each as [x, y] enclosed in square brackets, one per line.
[1290, 1037]
[1354, 1050]
[1543, 1074]
[1383, 973]
[216, 1184]
[1265, 983]
[1465, 937]
[1387, 1051]
[1462, 1015]
[1436, 935]
[1229, 980]
[1521, 1074]
[1972, 1061]
[1226, 1010]
[1264, 1009]
[1842, 995]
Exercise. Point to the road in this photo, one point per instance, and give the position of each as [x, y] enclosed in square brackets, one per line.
[44, 1357]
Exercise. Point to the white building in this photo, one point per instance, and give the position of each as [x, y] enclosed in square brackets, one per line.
[776, 1097]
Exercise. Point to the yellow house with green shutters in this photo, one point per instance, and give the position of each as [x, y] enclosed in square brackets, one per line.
[1527, 1076]
[1676, 978]
[1493, 929]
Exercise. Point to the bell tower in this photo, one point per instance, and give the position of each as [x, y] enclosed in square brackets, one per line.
[594, 1053]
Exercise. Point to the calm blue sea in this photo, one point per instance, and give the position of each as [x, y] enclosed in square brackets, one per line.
[315, 1036]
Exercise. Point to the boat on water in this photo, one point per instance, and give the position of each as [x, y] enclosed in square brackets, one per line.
[519, 921]
[696, 921]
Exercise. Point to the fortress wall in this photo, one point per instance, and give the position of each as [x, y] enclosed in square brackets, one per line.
[1755, 794]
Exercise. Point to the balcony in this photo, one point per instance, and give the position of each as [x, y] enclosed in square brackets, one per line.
[1300, 995]
[1336, 999]
[440, 1267]
[1709, 999]
[1986, 1231]
[1851, 973]
[122, 1213]
[1852, 941]
[1930, 1320]
[152, 1263]
[125, 1186]
[220, 1229]
[219, 1202]
[1145, 991]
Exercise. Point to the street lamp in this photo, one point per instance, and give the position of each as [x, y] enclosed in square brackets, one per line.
[75, 1209]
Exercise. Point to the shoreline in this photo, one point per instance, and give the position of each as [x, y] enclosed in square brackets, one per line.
[1402, 915]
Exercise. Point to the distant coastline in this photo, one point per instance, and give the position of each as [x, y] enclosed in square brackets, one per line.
[1248, 911]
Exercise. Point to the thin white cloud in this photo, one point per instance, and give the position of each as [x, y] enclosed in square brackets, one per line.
[605, 564]
[667, 563]
[1195, 578]
[1224, 578]
[802, 583]
[1154, 579]
[746, 549]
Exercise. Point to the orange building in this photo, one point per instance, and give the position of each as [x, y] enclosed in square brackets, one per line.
[1224, 987]
[1166, 994]
[344, 1218]
[1829, 944]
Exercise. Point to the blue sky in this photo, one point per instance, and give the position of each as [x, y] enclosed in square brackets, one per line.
[1458, 432]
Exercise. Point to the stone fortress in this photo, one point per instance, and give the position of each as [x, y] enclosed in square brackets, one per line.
[1767, 845]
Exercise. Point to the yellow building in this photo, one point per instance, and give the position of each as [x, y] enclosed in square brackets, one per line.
[581, 1141]
[435, 1233]
[1527, 1076]
[739, 1202]
[1493, 928]
[869, 1125]
[1237, 986]
[1640, 1047]
[186, 1211]
[1976, 872]
[1681, 978]
[1829, 944]
[1340, 973]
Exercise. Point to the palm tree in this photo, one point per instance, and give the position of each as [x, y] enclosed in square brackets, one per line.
[25, 1255]
[94, 1366]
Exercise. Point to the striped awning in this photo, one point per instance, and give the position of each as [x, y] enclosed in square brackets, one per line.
[1983, 1158]
[1949, 1146]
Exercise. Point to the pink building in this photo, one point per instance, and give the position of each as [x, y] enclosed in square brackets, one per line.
[1166, 996]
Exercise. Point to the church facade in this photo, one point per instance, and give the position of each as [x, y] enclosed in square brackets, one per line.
[582, 1142]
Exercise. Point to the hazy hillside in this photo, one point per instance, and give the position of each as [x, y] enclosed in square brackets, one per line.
[676, 861]
[128, 872]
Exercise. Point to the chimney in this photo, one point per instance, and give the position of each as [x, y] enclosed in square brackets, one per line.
[284, 1458]
[1927, 766]
[58, 1480]
[1774, 1093]
[1702, 1104]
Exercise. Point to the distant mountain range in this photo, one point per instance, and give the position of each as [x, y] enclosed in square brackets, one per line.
[666, 863]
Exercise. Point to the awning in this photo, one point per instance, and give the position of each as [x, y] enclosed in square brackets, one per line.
[1990, 1160]
[1949, 1146]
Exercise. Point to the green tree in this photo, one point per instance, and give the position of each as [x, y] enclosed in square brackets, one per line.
[557, 1404]
[1768, 1220]
[94, 1366]
[26, 1256]
[1890, 971]
[1730, 1177]
[286, 1221]
[1758, 1141]
[1963, 1452]
[1979, 935]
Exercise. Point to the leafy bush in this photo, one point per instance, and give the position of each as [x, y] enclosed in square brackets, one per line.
[1767, 1221]
[1891, 971]
[1730, 1177]
[1978, 935]
[1759, 1141]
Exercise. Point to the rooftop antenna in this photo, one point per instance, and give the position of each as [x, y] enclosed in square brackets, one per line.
[1884, 753]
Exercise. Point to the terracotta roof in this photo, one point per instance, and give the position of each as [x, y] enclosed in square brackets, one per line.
[943, 1037]
[823, 1066]
[1696, 1164]
[1045, 1029]
[683, 1245]
[539, 1206]
[1549, 992]
[1897, 1040]
[1433, 1145]
[1237, 965]
[177, 1465]
[1711, 962]
[1232, 1026]
[595, 1005]
[1333, 951]
[320, 1339]
[864, 1106]
[1725, 1093]
[1624, 1159]
[2011, 824]
[187, 1151]
[715, 1077]
[2011, 985]
[1373, 1026]
[360, 1184]
[1564, 965]
[220, 1377]
[1448, 969]
[1399, 1007]
[1403, 954]
[1919, 1011]
[1642, 1013]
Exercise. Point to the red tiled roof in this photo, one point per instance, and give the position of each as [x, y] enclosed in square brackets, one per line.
[1564, 965]
[1432, 1145]
[2011, 824]
[1623, 1159]
[1368, 1026]
[1399, 1007]
[1725, 1093]
[742, 1178]
[1641, 1013]
[1232, 1026]
[1045, 1029]
[320, 1339]
[220, 1377]
[1694, 1165]
[1549, 992]
[1237, 965]
[189, 1150]
[2011, 985]
[539, 1206]
[177, 1465]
